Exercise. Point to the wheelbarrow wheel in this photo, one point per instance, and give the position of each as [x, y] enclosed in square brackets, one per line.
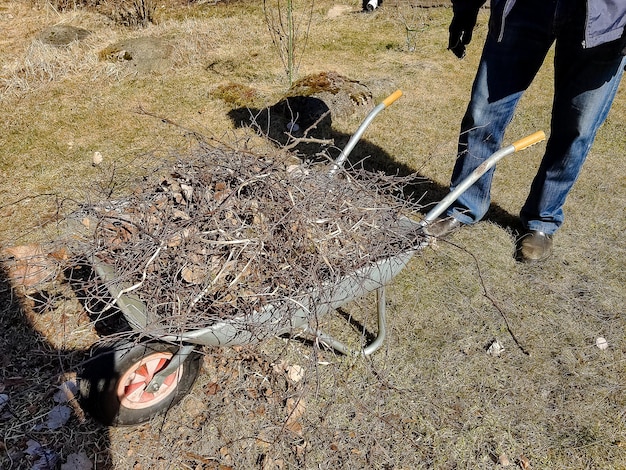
[113, 385]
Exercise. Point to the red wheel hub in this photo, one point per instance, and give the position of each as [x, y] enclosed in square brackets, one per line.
[131, 388]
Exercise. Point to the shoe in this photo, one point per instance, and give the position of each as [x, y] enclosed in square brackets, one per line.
[535, 247]
[442, 227]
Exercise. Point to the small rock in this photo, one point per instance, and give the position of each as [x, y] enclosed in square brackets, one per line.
[495, 349]
[62, 35]
[97, 158]
[144, 54]
[602, 343]
[504, 460]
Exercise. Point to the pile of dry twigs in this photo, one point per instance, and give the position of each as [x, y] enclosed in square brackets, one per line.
[221, 234]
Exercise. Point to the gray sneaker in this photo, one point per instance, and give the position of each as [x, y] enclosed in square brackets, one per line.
[535, 247]
[442, 227]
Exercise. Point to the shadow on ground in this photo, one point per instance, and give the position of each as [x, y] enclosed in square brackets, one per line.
[304, 125]
[32, 372]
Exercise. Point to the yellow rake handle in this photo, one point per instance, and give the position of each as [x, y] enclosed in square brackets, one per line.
[529, 140]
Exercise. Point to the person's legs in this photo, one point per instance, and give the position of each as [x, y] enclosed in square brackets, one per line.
[506, 70]
[586, 81]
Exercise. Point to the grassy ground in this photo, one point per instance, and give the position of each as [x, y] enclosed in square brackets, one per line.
[431, 397]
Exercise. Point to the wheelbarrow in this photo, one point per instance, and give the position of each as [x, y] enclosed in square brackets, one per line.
[132, 381]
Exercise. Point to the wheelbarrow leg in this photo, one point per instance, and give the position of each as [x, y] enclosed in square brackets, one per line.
[175, 362]
[376, 343]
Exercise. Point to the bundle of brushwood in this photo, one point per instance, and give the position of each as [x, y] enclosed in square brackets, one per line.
[221, 234]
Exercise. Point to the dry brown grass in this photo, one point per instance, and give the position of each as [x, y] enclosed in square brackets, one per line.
[431, 397]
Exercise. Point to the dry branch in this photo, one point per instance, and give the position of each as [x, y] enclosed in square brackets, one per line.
[220, 234]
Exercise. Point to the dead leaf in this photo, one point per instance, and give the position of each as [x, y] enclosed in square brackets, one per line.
[295, 373]
[524, 463]
[78, 461]
[212, 388]
[32, 447]
[263, 440]
[58, 416]
[67, 391]
[177, 214]
[193, 274]
[60, 254]
[504, 460]
[47, 461]
[187, 191]
[295, 427]
[29, 265]
[279, 366]
[296, 409]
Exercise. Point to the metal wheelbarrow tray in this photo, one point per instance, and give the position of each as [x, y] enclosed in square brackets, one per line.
[131, 381]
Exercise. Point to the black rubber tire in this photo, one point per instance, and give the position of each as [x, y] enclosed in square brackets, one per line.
[106, 380]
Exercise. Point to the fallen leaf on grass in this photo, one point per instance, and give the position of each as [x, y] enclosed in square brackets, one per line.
[296, 409]
[4, 399]
[46, 459]
[279, 366]
[295, 373]
[58, 416]
[32, 447]
[295, 427]
[504, 460]
[67, 391]
[78, 461]
[524, 463]
[264, 440]
[193, 274]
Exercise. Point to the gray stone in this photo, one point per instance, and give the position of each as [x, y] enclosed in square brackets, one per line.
[342, 95]
[62, 35]
[146, 54]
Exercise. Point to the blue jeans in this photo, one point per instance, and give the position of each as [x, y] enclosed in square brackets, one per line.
[585, 84]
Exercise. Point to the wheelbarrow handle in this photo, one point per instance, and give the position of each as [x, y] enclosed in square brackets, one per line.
[392, 98]
[343, 156]
[480, 171]
[529, 140]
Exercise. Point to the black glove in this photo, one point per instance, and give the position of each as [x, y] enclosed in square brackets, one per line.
[461, 27]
